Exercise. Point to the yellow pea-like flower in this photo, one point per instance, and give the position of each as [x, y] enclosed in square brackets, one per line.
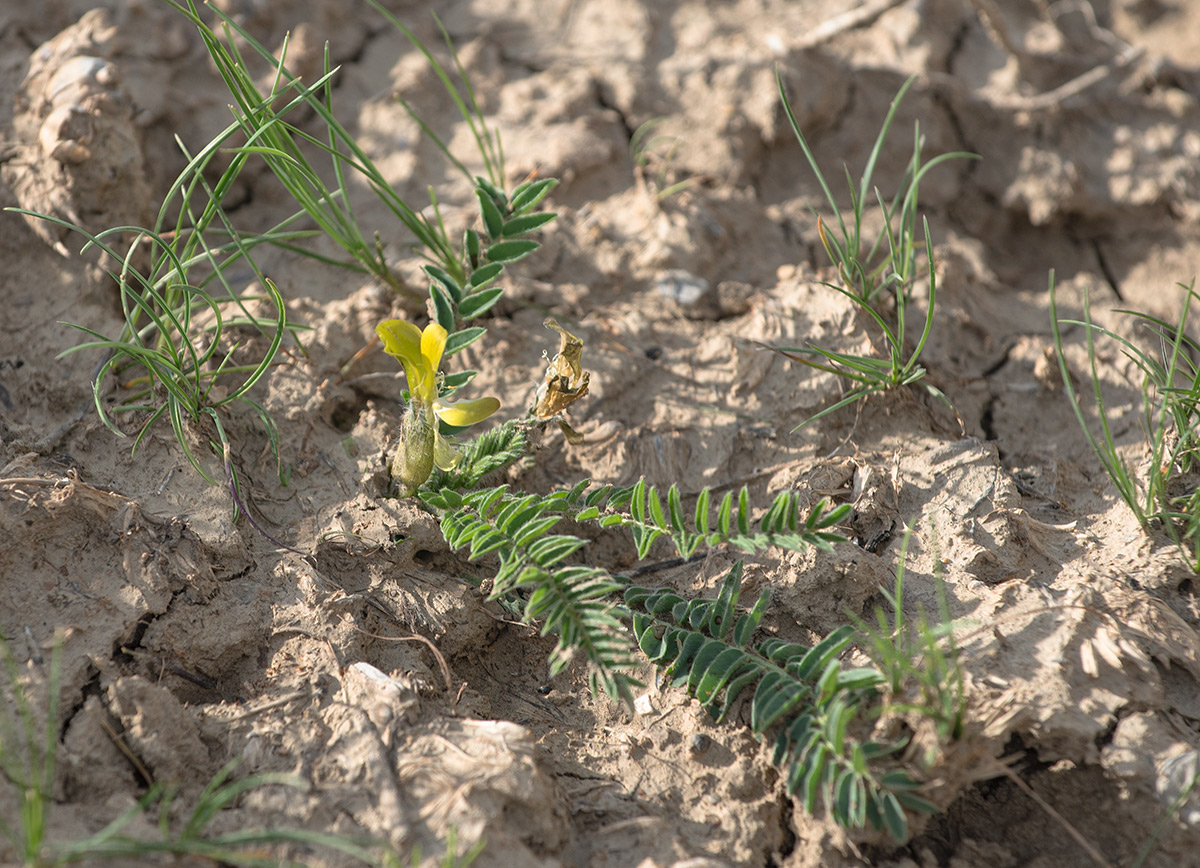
[422, 446]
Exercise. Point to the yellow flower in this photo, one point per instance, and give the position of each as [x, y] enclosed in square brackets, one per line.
[422, 446]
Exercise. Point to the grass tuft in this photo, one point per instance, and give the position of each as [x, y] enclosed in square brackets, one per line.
[879, 276]
[1166, 494]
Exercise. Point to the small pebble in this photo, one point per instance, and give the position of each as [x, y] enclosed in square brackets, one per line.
[682, 287]
[698, 743]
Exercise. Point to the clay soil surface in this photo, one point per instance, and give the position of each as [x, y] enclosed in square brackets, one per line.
[191, 639]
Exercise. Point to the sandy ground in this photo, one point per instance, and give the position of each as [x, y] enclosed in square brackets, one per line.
[197, 640]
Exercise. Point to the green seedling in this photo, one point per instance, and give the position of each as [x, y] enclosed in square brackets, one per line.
[261, 118]
[919, 661]
[462, 271]
[174, 348]
[654, 159]
[887, 269]
[28, 753]
[174, 357]
[283, 146]
[803, 698]
[191, 839]
[870, 374]
[28, 758]
[461, 277]
[886, 265]
[1167, 496]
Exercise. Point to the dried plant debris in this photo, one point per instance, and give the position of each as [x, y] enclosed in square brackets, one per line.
[565, 382]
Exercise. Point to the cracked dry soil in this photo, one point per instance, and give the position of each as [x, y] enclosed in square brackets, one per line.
[195, 640]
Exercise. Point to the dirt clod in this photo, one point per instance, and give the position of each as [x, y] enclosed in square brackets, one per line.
[363, 658]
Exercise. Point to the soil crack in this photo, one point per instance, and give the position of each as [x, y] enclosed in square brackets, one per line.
[1110, 276]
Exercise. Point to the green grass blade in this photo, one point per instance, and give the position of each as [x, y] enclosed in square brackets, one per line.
[808, 154]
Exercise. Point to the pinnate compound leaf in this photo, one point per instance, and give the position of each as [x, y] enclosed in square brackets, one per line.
[798, 697]
[574, 602]
[703, 645]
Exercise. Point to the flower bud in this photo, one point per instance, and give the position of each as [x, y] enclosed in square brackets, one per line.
[412, 462]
